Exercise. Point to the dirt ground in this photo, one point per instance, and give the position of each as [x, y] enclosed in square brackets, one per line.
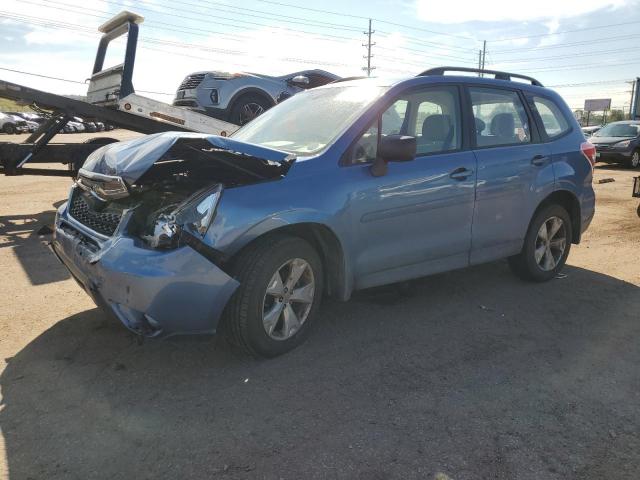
[466, 375]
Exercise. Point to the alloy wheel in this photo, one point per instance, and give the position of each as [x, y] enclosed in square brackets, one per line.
[288, 299]
[551, 243]
[250, 111]
[635, 159]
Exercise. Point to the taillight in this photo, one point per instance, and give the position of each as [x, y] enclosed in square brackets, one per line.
[589, 151]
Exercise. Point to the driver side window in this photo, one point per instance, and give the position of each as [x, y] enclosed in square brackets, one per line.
[391, 122]
[431, 115]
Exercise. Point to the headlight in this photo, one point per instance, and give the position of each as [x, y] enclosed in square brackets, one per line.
[197, 215]
[194, 216]
[623, 144]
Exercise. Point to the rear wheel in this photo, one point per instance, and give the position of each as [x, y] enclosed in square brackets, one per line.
[546, 245]
[280, 290]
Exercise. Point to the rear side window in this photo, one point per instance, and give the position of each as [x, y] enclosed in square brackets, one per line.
[500, 117]
[554, 122]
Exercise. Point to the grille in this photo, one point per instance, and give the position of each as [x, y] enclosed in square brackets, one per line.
[192, 81]
[101, 222]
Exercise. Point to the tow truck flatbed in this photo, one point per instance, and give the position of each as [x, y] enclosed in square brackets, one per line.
[110, 98]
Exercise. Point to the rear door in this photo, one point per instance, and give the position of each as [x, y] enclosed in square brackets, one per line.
[514, 171]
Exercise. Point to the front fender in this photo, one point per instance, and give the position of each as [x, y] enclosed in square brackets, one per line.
[233, 240]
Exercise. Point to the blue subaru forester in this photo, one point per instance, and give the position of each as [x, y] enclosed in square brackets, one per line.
[348, 186]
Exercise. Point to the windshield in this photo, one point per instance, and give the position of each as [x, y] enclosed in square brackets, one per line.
[306, 123]
[618, 130]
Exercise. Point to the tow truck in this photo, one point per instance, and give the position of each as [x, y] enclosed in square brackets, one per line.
[111, 98]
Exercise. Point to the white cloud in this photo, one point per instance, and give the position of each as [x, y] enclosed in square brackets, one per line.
[461, 11]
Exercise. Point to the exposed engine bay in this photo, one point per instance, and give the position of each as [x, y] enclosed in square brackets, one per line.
[178, 191]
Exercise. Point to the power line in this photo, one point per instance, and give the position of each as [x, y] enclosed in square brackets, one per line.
[633, 22]
[40, 75]
[317, 10]
[329, 37]
[583, 54]
[302, 21]
[71, 26]
[587, 83]
[570, 44]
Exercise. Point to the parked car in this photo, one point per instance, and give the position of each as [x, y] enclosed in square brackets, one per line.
[588, 131]
[78, 127]
[88, 125]
[239, 98]
[343, 187]
[11, 124]
[618, 142]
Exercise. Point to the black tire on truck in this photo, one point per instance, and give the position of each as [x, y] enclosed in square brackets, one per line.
[248, 107]
[76, 165]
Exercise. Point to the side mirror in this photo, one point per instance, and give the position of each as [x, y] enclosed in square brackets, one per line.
[397, 148]
[393, 148]
[300, 80]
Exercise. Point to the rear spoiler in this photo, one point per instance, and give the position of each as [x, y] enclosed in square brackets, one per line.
[108, 86]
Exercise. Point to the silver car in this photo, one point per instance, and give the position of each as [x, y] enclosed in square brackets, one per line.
[240, 97]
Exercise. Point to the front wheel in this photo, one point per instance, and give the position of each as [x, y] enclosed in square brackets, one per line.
[634, 161]
[546, 245]
[9, 129]
[273, 310]
[248, 107]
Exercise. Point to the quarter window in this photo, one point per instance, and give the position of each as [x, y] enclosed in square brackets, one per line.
[500, 117]
[552, 118]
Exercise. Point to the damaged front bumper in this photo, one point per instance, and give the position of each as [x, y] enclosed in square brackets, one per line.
[152, 292]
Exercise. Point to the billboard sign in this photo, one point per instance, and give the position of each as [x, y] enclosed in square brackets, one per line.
[597, 105]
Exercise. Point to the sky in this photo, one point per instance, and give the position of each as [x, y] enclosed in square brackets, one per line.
[581, 48]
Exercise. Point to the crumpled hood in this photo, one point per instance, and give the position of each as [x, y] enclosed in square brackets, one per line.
[129, 160]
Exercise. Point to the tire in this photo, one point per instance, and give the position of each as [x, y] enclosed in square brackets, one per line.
[245, 319]
[248, 107]
[528, 264]
[634, 161]
[9, 128]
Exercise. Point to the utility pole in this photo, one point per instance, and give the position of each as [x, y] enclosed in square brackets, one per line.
[484, 57]
[479, 61]
[369, 56]
[632, 110]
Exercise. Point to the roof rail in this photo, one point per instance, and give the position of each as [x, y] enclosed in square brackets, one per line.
[496, 74]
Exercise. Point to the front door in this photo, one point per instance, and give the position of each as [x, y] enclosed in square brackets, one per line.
[416, 219]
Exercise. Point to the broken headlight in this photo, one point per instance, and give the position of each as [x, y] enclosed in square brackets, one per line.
[194, 215]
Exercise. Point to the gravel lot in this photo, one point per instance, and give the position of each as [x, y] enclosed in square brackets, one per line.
[466, 375]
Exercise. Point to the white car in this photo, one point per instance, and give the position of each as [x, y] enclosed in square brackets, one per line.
[10, 124]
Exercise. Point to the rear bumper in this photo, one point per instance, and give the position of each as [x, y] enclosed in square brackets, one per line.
[153, 293]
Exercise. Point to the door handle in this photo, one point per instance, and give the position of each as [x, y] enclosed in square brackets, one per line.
[540, 160]
[461, 173]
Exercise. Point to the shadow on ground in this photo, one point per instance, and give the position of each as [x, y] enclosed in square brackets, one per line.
[19, 231]
[472, 373]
